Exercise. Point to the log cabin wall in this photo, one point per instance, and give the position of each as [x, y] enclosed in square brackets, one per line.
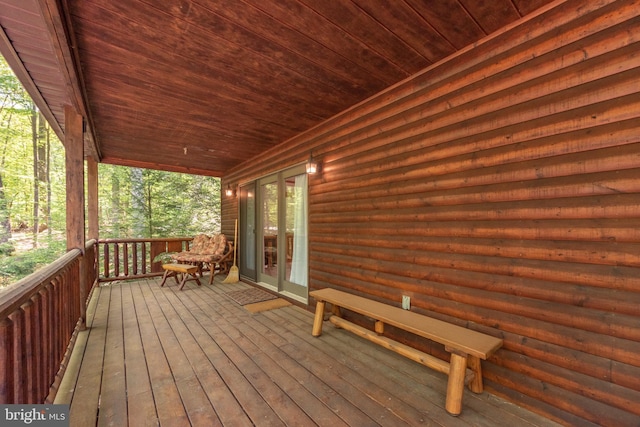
[500, 190]
[229, 212]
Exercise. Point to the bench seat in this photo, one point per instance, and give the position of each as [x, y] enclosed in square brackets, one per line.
[466, 346]
[187, 271]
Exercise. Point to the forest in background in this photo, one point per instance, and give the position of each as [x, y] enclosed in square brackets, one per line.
[133, 202]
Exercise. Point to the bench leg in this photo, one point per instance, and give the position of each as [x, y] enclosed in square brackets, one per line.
[336, 310]
[183, 281]
[379, 327]
[318, 319]
[475, 385]
[185, 277]
[164, 277]
[455, 386]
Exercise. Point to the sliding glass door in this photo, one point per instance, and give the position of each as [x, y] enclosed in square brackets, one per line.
[282, 238]
[247, 231]
[296, 236]
[268, 214]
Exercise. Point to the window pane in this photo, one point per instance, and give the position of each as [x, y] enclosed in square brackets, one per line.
[296, 233]
[270, 228]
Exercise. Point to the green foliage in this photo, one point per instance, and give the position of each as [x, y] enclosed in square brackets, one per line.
[14, 268]
[164, 257]
[6, 249]
[150, 203]
[16, 158]
[133, 203]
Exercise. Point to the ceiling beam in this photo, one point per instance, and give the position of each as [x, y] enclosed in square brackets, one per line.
[14, 61]
[64, 46]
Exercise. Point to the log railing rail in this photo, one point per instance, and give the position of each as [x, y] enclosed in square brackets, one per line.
[125, 259]
[41, 314]
[39, 319]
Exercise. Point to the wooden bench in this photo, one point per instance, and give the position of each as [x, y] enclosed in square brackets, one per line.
[467, 347]
[188, 272]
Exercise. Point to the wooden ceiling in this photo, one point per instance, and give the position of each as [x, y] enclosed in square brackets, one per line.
[200, 86]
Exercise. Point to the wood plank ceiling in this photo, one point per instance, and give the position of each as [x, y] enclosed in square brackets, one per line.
[200, 86]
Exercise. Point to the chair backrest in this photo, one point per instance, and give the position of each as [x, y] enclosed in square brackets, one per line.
[203, 244]
[221, 241]
[199, 243]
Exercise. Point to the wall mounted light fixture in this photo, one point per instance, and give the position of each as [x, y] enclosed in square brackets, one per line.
[312, 165]
[229, 192]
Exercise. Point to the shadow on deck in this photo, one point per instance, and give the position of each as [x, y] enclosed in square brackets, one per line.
[159, 356]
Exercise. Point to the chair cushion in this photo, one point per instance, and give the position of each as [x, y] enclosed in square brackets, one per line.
[198, 244]
[221, 245]
[210, 246]
[203, 249]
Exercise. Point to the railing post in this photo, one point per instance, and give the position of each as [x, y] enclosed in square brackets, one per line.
[38, 315]
[6, 361]
[82, 326]
[125, 259]
[92, 199]
[18, 394]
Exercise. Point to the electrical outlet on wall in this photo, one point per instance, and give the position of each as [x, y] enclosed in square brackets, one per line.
[406, 302]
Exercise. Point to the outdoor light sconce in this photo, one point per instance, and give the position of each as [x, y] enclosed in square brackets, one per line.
[312, 165]
[229, 192]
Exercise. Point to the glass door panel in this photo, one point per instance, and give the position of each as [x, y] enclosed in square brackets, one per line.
[247, 231]
[282, 239]
[269, 216]
[295, 239]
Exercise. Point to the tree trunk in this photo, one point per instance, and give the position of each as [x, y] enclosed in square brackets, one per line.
[115, 206]
[5, 218]
[36, 181]
[48, 175]
[5, 223]
[138, 205]
[149, 210]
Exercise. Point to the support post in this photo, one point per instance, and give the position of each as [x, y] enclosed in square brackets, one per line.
[74, 161]
[92, 198]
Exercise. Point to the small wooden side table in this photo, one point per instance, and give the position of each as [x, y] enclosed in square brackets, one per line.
[188, 272]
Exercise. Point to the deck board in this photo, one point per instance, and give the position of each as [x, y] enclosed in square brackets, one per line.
[159, 356]
[364, 383]
[114, 411]
[170, 410]
[277, 364]
[236, 372]
[138, 383]
[197, 345]
[86, 391]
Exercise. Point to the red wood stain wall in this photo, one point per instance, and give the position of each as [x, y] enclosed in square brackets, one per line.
[500, 189]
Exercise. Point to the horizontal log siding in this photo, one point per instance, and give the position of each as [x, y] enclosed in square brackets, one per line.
[229, 208]
[500, 189]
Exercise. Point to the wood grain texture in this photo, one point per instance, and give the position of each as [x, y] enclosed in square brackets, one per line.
[195, 357]
[460, 339]
[226, 79]
[498, 189]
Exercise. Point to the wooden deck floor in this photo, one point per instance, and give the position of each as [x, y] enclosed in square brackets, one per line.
[158, 356]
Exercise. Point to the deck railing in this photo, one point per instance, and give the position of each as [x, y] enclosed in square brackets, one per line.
[39, 319]
[41, 314]
[124, 259]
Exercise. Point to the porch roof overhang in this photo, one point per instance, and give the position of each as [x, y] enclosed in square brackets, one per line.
[201, 86]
